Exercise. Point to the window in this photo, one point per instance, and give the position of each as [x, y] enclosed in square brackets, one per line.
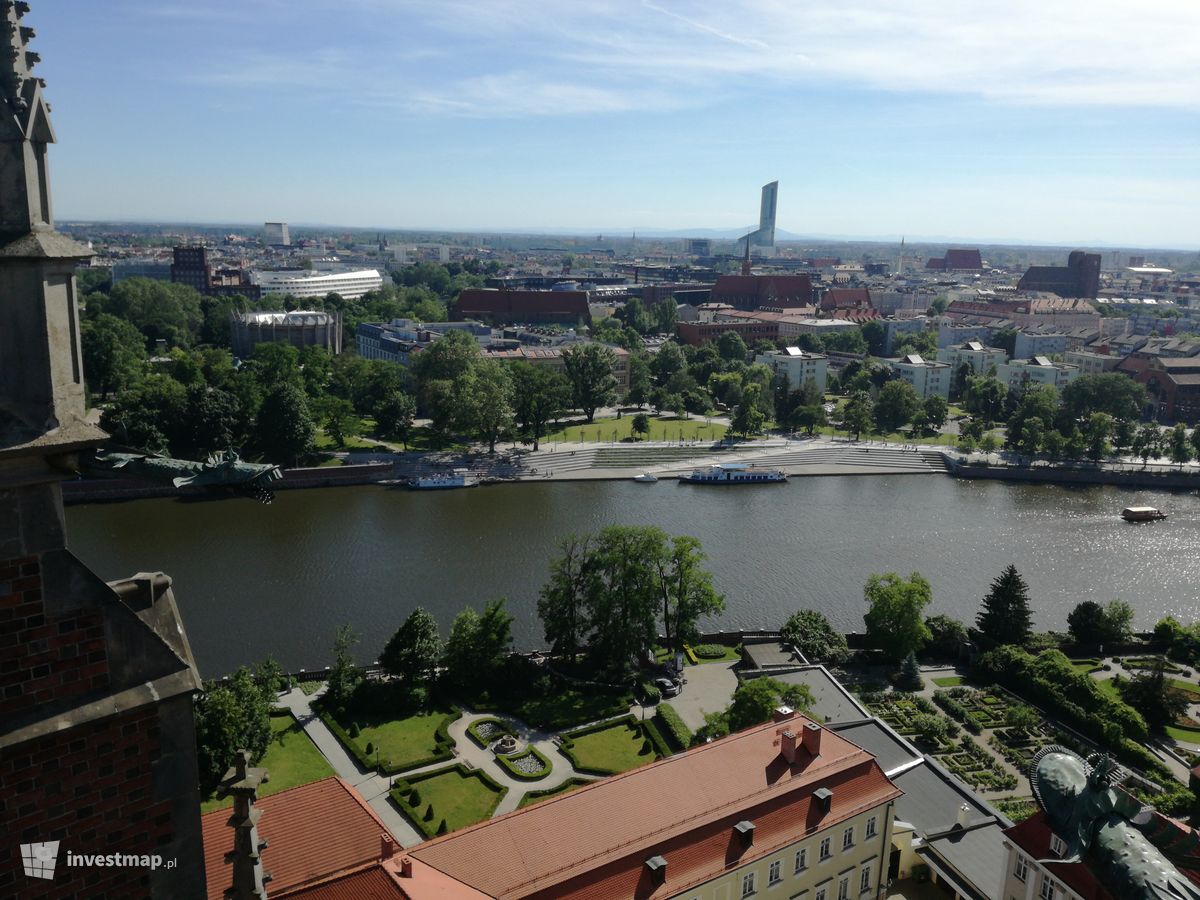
[848, 838]
[864, 880]
[820, 894]
[801, 860]
[844, 888]
[825, 849]
[1057, 845]
[1021, 869]
[773, 876]
[748, 884]
[1046, 891]
[871, 827]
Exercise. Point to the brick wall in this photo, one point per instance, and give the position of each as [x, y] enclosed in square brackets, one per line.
[93, 789]
[43, 658]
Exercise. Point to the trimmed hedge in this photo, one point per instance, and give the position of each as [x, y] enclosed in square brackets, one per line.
[958, 712]
[490, 720]
[508, 764]
[669, 722]
[650, 693]
[566, 741]
[442, 740]
[534, 796]
[709, 651]
[425, 822]
[662, 747]
[690, 655]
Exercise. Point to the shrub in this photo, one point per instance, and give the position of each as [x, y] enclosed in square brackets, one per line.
[650, 693]
[414, 799]
[813, 635]
[669, 722]
[428, 817]
[709, 651]
[353, 730]
[370, 748]
[442, 827]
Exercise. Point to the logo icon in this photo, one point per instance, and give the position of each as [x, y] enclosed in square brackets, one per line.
[39, 859]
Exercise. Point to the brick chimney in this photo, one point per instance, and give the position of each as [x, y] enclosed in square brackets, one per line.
[787, 746]
[387, 847]
[811, 740]
[782, 713]
[406, 867]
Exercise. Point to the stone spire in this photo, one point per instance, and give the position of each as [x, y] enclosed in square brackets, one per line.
[242, 783]
[41, 374]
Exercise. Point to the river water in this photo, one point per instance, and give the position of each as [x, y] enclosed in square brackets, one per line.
[252, 579]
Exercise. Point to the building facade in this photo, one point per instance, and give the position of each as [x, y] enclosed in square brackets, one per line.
[304, 285]
[1080, 277]
[277, 234]
[797, 366]
[697, 333]
[298, 328]
[1022, 373]
[931, 379]
[980, 358]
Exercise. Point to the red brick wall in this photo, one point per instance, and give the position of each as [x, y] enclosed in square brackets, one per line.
[93, 789]
[44, 658]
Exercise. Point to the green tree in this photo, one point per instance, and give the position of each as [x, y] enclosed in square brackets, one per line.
[936, 411]
[811, 633]
[909, 677]
[1195, 438]
[666, 315]
[639, 380]
[946, 636]
[158, 309]
[446, 360]
[1181, 449]
[756, 700]
[1150, 692]
[858, 414]
[1147, 444]
[589, 369]
[895, 617]
[563, 602]
[731, 347]
[640, 426]
[1096, 431]
[149, 417]
[231, 715]
[686, 589]
[1005, 617]
[898, 402]
[483, 400]
[669, 361]
[540, 395]
[1112, 393]
[1022, 718]
[478, 644]
[276, 364]
[984, 397]
[748, 418]
[394, 416]
[344, 676]
[1090, 623]
[212, 420]
[114, 354]
[876, 337]
[413, 652]
[338, 418]
[285, 425]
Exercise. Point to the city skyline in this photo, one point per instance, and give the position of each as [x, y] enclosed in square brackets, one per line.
[879, 121]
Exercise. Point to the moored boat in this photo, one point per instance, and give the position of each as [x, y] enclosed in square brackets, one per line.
[1142, 514]
[441, 482]
[645, 478]
[734, 473]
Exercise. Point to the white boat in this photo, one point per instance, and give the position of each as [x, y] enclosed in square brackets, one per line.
[645, 478]
[440, 482]
[734, 473]
[1142, 514]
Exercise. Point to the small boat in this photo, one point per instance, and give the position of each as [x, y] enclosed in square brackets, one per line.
[645, 478]
[440, 482]
[734, 473]
[1142, 514]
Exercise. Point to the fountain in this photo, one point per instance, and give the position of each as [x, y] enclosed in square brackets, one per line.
[506, 745]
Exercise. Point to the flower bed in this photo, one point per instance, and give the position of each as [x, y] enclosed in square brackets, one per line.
[528, 765]
[484, 731]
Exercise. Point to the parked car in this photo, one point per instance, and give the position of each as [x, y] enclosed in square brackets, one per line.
[668, 687]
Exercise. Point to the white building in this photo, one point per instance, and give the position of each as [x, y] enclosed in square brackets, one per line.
[798, 366]
[1021, 373]
[1028, 344]
[277, 234]
[978, 356]
[302, 285]
[1091, 363]
[928, 377]
[893, 328]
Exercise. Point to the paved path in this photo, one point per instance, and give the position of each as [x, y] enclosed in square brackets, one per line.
[372, 786]
[709, 688]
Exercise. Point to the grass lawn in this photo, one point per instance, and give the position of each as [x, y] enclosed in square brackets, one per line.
[615, 749]
[424, 439]
[1085, 665]
[400, 740]
[1188, 687]
[566, 787]
[1187, 735]
[566, 706]
[461, 798]
[310, 687]
[949, 681]
[295, 762]
[322, 441]
[730, 654]
[1107, 686]
[662, 428]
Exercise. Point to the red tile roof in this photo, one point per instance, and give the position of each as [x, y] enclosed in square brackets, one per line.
[846, 298]
[963, 259]
[505, 304]
[593, 842]
[312, 831]
[753, 291]
[1033, 837]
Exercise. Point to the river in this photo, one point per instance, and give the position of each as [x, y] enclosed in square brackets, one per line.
[252, 579]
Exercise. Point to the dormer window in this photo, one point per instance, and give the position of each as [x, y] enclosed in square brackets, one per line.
[1058, 846]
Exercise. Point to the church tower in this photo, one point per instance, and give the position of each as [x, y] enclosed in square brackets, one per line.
[97, 742]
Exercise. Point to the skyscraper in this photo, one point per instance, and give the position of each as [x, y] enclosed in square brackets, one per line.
[278, 234]
[765, 235]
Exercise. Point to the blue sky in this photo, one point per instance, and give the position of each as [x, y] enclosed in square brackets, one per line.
[1060, 121]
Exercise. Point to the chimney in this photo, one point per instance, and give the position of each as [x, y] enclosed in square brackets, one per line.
[824, 798]
[782, 713]
[745, 830]
[787, 746]
[406, 867]
[387, 847]
[657, 866]
[964, 815]
[811, 740]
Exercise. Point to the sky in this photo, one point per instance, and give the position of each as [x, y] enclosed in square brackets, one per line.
[1063, 121]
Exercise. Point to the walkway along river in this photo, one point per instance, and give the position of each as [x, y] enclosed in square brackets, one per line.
[254, 579]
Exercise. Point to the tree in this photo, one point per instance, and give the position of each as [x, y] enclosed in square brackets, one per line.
[1112, 393]
[894, 620]
[150, 416]
[810, 632]
[936, 411]
[756, 700]
[394, 416]
[1090, 623]
[686, 589]
[478, 644]
[669, 361]
[748, 418]
[1005, 617]
[114, 354]
[946, 636]
[1147, 443]
[639, 380]
[344, 676]
[412, 653]
[984, 397]
[212, 420]
[1096, 431]
[1022, 718]
[231, 715]
[539, 396]
[898, 402]
[1195, 438]
[1181, 449]
[446, 360]
[285, 425]
[563, 600]
[338, 419]
[589, 370]
[909, 678]
[731, 347]
[858, 414]
[1150, 692]
[808, 418]
[876, 337]
[640, 426]
[666, 315]
[158, 309]
[483, 400]
[274, 364]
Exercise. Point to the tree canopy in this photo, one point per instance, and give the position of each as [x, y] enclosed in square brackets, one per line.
[810, 632]
[895, 617]
[1005, 617]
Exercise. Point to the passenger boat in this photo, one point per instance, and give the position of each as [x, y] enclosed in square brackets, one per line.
[1142, 514]
[441, 482]
[734, 473]
[645, 478]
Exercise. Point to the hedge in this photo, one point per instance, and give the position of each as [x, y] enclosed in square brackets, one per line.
[709, 651]
[671, 725]
[650, 693]
[490, 720]
[958, 712]
[566, 741]
[508, 764]
[658, 740]
[533, 796]
[441, 736]
[691, 656]
[399, 797]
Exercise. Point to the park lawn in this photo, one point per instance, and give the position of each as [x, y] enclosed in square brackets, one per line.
[565, 707]
[295, 762]
[459, 797]
[1188, 687]
[662, 428]
[425, 439]
[895, 437]
[1186, 735]
[949, 681]
[1086, 666]
[615, 749]
[322, 441]
[1109, 687]
[731, 654]
[400, 740]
